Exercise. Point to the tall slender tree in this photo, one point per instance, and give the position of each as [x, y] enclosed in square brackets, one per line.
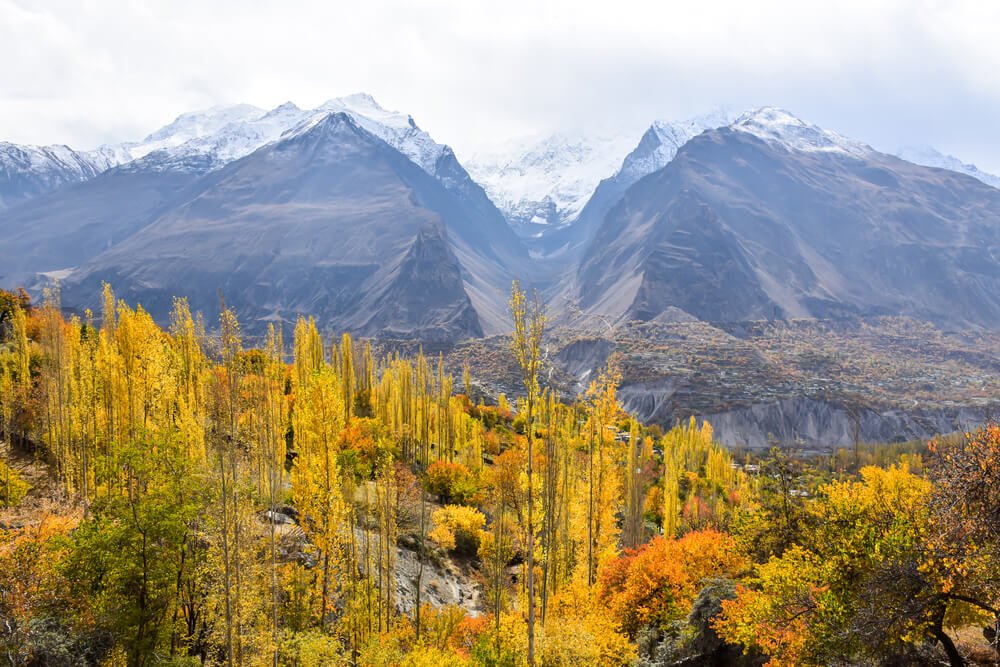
[529, 327]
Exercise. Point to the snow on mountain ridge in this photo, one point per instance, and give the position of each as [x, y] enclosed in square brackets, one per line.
[29, 170]
[931, 157]
[395, 128]
[550, 180]
[191, 126]
[777, 126]
[43, 157]
[222, 134]
[666, 138]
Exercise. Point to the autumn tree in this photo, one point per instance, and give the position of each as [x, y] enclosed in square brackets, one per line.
[316, 486]
[658, 582]
[962, 556]
[702, 487]
[857, 587]
[529, 327]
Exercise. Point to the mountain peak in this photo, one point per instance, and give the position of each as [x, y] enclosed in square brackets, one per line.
[193, 124]
[360, 100]
[286, 109]
[663, 139]
[778, 126]
[323, 123]
[211, 138]
[363, 104]
[547, 180]
[395, 128]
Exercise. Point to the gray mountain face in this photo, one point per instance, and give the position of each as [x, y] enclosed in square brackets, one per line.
[61, 230]
[331, 222]
[422, 296]
[739, 228]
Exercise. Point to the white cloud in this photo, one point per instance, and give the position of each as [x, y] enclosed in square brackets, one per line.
[890, 72]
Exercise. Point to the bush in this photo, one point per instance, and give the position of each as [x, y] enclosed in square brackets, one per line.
[457, 528]
[363, 447]
[589, 639]
[451, 482]
[508, 648]
[310, 648]
[12, 487]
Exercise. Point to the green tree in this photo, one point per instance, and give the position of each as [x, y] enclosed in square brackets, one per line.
[136, 553]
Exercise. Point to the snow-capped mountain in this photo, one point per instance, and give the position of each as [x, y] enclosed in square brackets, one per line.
[212, 138]
[394, 128]
[779, 127]
[548, 181]
[207, 189]
[930, 157]
[662, 141]
[772, 217]
[329, 218]
[657, 147]
[29, 171]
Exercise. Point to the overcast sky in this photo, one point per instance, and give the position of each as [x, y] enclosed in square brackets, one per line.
[888, 72]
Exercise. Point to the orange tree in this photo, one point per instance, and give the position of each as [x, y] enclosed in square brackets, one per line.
[658, 582]
[43, 620]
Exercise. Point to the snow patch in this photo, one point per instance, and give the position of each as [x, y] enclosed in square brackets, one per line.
[548, 180]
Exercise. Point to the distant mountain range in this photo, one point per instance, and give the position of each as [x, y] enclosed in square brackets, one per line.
[354, 214]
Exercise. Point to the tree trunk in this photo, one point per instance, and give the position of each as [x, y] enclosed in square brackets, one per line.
[531, 543]
[954, 657]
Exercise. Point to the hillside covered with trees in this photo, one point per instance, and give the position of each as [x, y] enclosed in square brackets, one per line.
[180, 497]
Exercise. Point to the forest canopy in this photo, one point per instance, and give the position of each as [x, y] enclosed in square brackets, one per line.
[177, 496]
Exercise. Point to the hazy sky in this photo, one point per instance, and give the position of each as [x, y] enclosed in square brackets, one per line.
[888, 72]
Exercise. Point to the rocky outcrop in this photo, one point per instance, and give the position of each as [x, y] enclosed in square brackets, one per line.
[808, 423]
[581, 361]
[440, 585]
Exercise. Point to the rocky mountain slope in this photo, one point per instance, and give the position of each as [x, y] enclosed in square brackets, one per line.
[51, 235]
[426, 240]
